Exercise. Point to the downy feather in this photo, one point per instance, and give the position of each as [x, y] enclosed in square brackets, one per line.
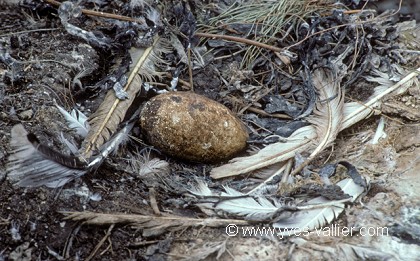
[75, 120]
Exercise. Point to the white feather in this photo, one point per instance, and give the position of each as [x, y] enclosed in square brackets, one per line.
[154, 166]
[328, 114]
[308, 220]
[300, 140]
[145, 165]
[258, 209]
[201, 189]
[76, 120]
[234, 203]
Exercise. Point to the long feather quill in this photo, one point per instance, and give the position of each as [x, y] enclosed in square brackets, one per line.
[355, 112]
[300, 140]
[327, 117]
[151, 225]
[105, 121]
[326, 122]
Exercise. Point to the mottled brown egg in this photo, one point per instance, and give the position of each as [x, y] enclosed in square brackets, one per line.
[192, 127]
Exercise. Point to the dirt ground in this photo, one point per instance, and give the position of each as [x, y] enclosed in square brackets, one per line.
[32, 223]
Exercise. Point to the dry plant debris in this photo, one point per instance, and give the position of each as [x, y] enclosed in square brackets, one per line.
[303, 77]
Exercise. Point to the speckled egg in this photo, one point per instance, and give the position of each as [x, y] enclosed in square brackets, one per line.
[192, 127]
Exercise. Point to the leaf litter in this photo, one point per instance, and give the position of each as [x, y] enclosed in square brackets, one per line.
[301, 70]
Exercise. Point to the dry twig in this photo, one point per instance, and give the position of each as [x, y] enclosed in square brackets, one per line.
[98, 246]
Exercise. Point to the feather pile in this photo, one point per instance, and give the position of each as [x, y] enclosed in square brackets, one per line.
[326, 123]
[308, 215]
[330, 117]
[32, 164]
[107, 118]
[244, 209]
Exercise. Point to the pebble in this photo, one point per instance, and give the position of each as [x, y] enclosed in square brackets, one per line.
[26, 115]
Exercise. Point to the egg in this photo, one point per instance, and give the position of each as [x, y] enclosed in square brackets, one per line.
[192, 127]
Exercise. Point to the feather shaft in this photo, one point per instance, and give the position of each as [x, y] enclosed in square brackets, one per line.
[105, 121]
[297, 142]
[354, 112]
[328, 114]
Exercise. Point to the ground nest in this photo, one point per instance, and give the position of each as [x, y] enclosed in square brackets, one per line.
[323, 95]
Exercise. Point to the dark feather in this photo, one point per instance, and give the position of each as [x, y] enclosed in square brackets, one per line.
[32, 164]
[48, 153]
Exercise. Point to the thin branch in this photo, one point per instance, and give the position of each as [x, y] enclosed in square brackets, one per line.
[100, 14]
[98, 246]
[240, 40]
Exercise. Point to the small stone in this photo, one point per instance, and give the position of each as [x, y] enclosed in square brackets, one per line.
[26, 115]
[192, 127]
[3, 116]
